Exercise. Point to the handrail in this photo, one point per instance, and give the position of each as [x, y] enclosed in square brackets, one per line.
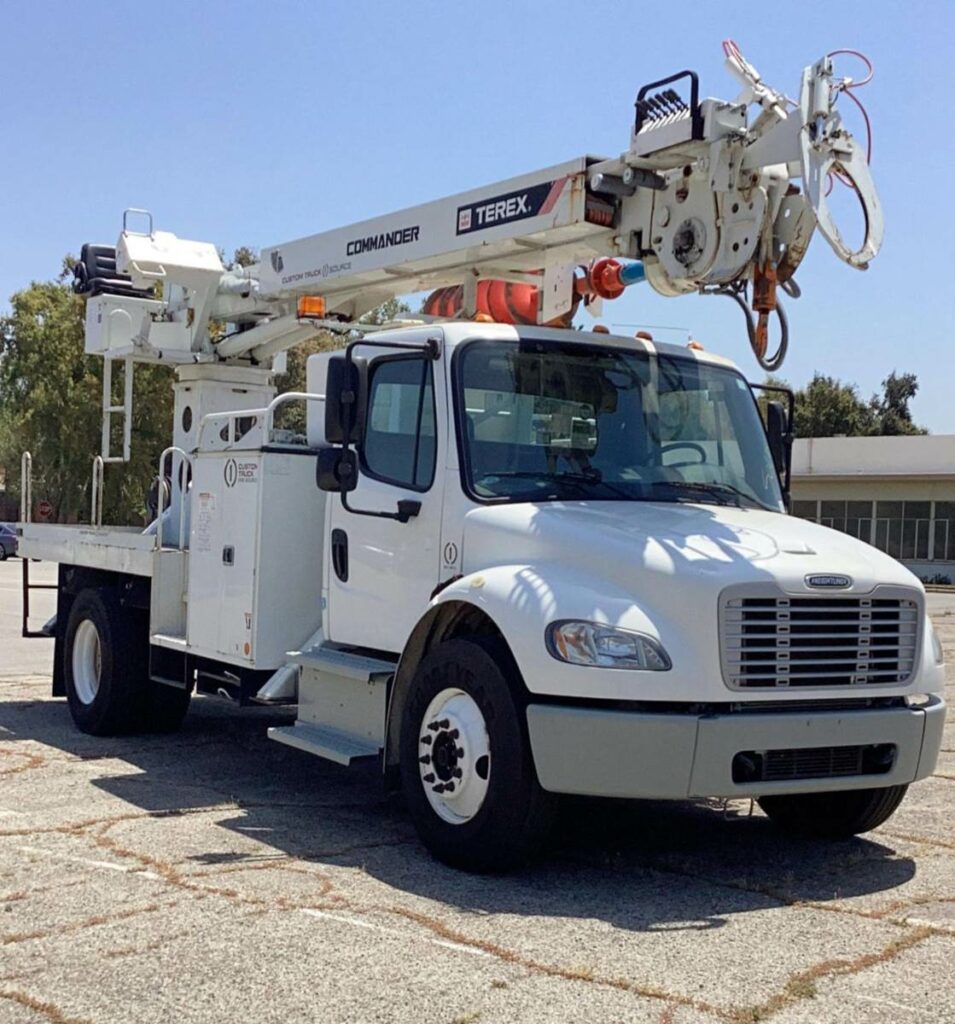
[228, 415]
[96, 512]
[172, 449]
[286, 396]
[26, 488]
[212, 419]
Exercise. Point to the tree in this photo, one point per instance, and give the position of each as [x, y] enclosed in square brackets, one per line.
[827, 407]
[50, 405]
[893, 408]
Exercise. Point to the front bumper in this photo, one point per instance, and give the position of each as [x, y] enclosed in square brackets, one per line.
[614, 753]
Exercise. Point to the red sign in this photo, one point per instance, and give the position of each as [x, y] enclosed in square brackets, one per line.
[44, 510]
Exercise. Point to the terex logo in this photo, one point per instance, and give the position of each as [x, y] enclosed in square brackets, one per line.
[529, 202]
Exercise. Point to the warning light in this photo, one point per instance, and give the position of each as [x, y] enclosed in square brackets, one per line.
[311, 307]
[696, 346]
[600, 329]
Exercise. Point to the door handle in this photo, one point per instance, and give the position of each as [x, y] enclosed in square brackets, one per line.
[340, 554]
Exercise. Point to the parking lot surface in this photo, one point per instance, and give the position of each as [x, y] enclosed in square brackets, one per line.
[217, 876]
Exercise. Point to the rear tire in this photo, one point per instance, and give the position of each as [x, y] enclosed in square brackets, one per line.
[465, 714]
[833, 815]
[103, 666]
[3, 553]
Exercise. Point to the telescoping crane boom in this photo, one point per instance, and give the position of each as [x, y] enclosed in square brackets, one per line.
[703, 200]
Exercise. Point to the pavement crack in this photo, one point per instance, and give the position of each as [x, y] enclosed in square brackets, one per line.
[51, 1011]
[29, 761]
[803, 984]
[11, 938]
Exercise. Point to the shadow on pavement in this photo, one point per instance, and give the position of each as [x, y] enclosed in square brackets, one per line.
[642, 866]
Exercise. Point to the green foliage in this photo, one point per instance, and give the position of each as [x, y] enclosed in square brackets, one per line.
[827, 407]
[50, 398]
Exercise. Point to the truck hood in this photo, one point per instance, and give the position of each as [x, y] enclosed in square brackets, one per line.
[654, 567]
[635, 543]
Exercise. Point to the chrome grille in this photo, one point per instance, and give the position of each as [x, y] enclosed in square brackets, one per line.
[769, 639]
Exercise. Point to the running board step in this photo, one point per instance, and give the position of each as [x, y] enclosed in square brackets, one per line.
[342, 663]
[323, 742]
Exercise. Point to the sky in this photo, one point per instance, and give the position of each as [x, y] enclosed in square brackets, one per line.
[246, 123]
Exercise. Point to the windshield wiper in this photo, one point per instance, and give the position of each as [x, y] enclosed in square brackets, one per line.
[716, 490]
[583, 481]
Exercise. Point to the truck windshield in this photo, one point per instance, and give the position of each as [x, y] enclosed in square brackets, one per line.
[545, 421]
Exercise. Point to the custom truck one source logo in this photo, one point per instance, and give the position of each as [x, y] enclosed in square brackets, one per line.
[509, 207]
[278, 264]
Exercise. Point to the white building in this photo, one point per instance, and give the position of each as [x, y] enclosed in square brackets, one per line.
[897, 493]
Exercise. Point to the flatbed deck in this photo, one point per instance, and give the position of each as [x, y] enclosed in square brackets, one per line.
[118, 548]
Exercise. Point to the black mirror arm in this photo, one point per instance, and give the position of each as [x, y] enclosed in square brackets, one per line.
[407, 510]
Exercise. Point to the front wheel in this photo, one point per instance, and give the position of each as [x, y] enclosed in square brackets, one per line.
[833, 815]
[466, 766]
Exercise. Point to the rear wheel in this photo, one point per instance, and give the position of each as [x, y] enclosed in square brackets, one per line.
[3, 553]
[833, 815]
[466, 766]
[104, 669]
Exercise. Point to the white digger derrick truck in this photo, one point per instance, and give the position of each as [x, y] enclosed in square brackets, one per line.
[509, 559]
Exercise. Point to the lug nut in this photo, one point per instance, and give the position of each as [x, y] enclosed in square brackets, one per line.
[429, 778]
[439, 788]
[459, 752]
[454, 734]
[426, 759]
[449, 786]
[426, 740]
[443, 724]
[457, 773]
[434, 726]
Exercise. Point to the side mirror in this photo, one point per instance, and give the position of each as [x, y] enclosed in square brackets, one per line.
[346, 400]
[780, 440]
[336, 470]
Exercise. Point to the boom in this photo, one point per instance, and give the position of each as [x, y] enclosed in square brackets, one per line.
[703, 200]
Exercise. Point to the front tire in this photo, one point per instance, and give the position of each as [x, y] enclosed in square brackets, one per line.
[466, 767]
[833, 815]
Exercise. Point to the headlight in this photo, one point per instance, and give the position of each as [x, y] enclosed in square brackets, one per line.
[936, 646]
[591, 643]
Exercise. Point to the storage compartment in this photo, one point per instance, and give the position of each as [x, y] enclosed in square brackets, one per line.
[256, 539]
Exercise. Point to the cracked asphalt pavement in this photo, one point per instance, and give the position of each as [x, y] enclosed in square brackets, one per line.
[217, 876]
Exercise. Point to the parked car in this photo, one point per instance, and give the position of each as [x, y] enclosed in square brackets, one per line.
[8, 541]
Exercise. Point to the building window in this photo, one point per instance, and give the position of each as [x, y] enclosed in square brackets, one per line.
[920, 531]
[852, 517]
[903, 528]
[944, 531]
[806, 510]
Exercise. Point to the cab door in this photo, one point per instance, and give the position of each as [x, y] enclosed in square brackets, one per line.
[382, 572]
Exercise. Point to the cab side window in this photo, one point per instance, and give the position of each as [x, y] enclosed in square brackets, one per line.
[399, 445]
